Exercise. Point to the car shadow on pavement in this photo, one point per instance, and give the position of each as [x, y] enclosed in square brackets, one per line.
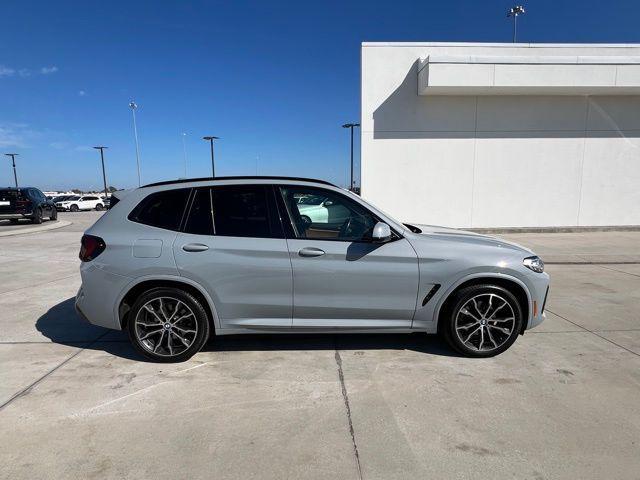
[61, 324]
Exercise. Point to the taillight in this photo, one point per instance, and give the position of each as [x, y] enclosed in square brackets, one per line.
[91, 247]
[22, 204]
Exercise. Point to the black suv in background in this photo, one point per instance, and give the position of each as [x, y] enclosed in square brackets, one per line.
[27, 202]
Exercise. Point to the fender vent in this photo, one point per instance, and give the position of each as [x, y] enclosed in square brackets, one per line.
[431, 293]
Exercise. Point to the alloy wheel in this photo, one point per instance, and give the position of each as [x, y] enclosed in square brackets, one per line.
[485, 322]
[166, 326]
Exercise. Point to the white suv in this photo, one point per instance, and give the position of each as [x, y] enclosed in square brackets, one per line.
[87, 202]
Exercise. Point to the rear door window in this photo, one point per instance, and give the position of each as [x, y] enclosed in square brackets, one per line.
[245, 211]
[200, 220]
[162, 209]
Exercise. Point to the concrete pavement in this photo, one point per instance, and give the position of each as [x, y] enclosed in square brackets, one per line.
[77, 401]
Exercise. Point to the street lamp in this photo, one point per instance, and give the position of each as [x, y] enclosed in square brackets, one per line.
[13, 160]
[213, 167]
[104, 176]
[514, 12]
[184, 152]
[133, 107]
[350, 126]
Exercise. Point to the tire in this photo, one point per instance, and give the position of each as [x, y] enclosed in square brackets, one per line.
[149, 319]
[37, 217]
[482, 321]
[99, 207]
[14, 221]
[54, 215]
[74, 208]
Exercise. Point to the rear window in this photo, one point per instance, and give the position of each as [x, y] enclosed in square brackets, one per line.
[161, 209]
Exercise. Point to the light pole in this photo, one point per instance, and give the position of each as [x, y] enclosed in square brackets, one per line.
[184, 152]
[213, 166]
[514, 12]
[351, 126]
[104, 175]
[133, 107]
[13, 160]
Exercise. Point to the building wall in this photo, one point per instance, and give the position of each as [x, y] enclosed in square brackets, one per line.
[496, 161]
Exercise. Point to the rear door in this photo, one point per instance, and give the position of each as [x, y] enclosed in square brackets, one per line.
[341, 278]
[232, 244]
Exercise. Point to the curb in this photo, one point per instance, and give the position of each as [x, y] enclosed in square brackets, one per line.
[40, 228]
[506, 230]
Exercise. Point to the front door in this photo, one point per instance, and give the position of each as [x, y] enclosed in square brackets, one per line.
[341, 278]
[232, 244]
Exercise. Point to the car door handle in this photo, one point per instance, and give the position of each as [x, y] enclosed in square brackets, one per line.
[311, 252]
[194, 247]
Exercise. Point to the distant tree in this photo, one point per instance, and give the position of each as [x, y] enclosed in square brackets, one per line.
[112, 189]
[76, 190]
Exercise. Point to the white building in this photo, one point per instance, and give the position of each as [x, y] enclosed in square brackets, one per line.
[502, 135]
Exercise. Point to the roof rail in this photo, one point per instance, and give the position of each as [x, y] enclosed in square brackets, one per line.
[204, 179]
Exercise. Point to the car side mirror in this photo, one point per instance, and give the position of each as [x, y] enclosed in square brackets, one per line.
[381, 232]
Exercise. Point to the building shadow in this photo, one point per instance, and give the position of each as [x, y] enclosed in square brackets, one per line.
[61, 324]
[406, 115]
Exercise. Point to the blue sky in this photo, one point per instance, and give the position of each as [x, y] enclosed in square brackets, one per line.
[275, 80]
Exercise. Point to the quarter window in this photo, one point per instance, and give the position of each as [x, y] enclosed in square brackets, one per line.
[326, 215]
[161, 209]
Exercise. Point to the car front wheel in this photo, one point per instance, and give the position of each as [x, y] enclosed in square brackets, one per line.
[168, 325]
[99, 207]
[483, 321]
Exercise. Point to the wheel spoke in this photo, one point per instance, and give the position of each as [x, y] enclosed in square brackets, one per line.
[183, 340]
[470, 335]
[497, 310]
[465, 327]
[182, 318]
[481, 338]
[152, 312]
[148, 334]
[500, 320]
[175, 310]
[495, 345]
[467, 312]
[162, 311]
[506, 331]
[183, 330]
[155, 349]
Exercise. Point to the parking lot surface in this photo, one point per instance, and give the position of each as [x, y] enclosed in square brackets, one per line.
[564, 402]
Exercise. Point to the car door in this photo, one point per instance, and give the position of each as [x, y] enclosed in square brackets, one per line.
[233, 245]
[341, 278]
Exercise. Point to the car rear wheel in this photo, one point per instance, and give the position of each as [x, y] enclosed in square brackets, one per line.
[37, 216]
[484, 321]
[168, 325]
[99, 207]
[54, 215]
[74, 208]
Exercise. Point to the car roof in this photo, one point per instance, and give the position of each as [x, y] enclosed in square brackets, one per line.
[248, 179]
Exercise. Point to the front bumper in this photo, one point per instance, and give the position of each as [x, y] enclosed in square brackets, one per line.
[539, 291]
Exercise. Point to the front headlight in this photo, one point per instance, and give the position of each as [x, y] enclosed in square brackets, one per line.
[534, 263]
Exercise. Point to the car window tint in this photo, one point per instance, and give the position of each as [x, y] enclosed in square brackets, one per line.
[326, 215]
[241, 211]
[200, 221]
[161, 209]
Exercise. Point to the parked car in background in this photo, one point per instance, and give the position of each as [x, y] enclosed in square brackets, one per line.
[176, 262]
[25, 202]
[77, 203]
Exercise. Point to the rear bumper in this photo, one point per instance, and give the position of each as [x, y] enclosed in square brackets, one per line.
[97, 298]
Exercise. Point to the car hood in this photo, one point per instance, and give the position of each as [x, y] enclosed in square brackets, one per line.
[463, 236]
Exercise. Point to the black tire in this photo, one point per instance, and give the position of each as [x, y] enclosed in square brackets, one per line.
[14, 221]
[37, 217]
[54, 215]
[74, 208]
[99, 207]
[487, 293]
[200, 321]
